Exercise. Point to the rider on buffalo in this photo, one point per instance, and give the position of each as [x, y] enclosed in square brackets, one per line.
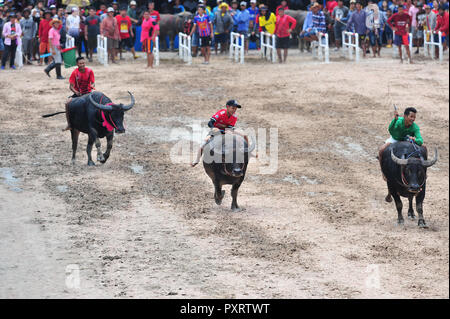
[400, 129]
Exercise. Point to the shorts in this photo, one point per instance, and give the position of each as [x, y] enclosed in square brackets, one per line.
[147, 46]
[376, 38]
[195, 40]
[221, 38]
[391, 140]
[401, 39]
[436, 38]
[282, 43]
[112, 44]
[205, 42]
[57, 57]
[92, 42]
[244, 33]
[415, 33]
[44, 47]
[338, 28]
[126, 43]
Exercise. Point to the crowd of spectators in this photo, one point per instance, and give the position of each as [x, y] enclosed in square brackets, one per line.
[27, 23]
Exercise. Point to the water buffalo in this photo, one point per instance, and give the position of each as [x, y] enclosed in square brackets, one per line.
[95, 115]
[170, 25]
[299, 16]
[405, 166]
[225, 161]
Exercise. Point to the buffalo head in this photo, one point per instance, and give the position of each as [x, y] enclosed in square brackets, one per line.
[413, 170]
[114, 112]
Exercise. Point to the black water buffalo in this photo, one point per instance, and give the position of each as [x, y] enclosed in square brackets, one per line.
[170, 25]
[405, 166]
[225, 160]
[95, 115]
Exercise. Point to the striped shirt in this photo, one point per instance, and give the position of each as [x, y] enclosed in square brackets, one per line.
[319, 23]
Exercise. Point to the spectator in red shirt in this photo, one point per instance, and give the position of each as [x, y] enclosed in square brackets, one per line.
[153, 13]
[442, 24]
[330, 6]
[400, 23]
[44, 28]
[81, 82]
[283, 5]
[283, 28]
[125, 30]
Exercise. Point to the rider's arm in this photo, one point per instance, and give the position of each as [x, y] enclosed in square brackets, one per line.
[392, 125]
[211, 123]
[416, 130]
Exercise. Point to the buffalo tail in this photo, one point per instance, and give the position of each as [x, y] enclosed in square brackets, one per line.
[52, 114]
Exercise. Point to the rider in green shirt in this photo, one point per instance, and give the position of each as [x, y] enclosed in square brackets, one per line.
[402, 127]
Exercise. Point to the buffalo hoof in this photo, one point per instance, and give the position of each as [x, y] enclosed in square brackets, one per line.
[422, 223]
[411, 215]
[100, 158]
[74, 161]
[91, 163]
[388, 198]
[237, 209]
[219, 199]
[400, 222]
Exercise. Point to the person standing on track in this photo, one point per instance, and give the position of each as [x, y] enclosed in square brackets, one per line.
[110, 30]
[92, 29]
[54, 37]
[357, 22]
[283, 28]
[150, 29]
[205, 27]
[400, 23]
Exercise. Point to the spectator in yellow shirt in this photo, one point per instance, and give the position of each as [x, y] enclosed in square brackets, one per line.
[267, 20]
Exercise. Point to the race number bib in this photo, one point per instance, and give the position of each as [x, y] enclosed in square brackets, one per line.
[124, 27]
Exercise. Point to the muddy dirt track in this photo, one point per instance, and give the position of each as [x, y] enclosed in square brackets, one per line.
[142, 226]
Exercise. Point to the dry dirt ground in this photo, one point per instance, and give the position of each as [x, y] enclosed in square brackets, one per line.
[142, 226]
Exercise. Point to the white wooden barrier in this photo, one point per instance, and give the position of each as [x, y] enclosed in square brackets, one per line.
[18, 61]
[268, 46]
[430, 44]
[102, 49]
[185, 47]
[410, 40]
[350, 41]
[237, 47]
[320, 49]
[156, 50]
[70, 41]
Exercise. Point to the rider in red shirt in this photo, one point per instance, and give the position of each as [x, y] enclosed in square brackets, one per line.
[223, 119]
[82, 82]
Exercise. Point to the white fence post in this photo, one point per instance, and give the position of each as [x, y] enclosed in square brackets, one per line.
[322, 47]
[184, 47]
[102, 49]
[19, 57]
[236, 48]
[156, 50]
[430, 45]
[350, 41]
[268, 46]
[70, 41]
